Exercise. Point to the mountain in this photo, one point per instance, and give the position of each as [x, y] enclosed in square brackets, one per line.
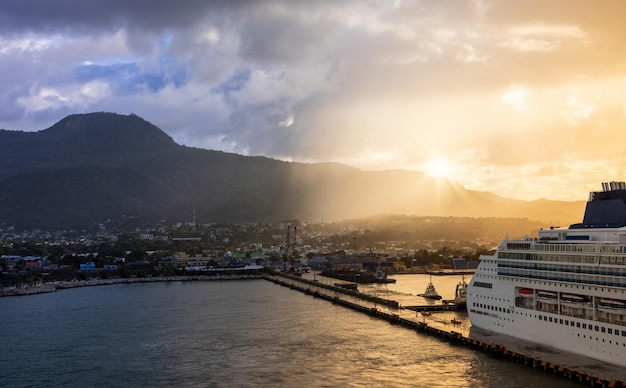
[104, 167]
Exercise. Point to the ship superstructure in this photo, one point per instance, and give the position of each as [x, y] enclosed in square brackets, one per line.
[565, 289]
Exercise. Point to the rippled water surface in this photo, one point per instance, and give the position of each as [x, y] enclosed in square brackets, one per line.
[246, 333]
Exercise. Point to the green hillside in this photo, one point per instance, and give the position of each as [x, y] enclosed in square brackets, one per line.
[104, 167]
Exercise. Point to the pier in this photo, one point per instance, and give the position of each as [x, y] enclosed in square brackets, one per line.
[432, 308]
[438, 324]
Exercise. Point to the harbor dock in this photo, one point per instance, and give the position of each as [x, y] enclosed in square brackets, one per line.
[431, 308]
[441, 321]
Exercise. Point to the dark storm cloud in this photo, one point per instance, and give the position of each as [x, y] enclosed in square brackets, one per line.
[377, 84]
[96, 16]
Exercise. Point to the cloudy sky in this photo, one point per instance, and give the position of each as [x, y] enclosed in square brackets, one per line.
[526, 99]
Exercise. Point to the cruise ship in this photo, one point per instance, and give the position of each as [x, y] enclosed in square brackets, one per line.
[566, 288]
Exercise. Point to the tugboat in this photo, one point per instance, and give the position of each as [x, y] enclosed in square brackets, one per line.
[430, 292]
[381, 277]
[460, 295]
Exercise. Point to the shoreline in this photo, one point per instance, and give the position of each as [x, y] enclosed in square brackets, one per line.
[48, 287]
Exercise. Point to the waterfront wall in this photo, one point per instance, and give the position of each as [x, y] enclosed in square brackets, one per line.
[60, 285]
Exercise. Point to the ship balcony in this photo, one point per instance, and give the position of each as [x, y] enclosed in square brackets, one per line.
[585, 312]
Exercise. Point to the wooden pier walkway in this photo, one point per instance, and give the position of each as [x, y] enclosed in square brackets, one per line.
[432, 308]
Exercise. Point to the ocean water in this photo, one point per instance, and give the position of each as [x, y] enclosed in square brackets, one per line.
[248, 333]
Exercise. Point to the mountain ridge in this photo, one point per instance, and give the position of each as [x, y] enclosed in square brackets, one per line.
[105, 167]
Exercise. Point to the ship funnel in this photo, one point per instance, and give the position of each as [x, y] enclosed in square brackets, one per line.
[613, 186]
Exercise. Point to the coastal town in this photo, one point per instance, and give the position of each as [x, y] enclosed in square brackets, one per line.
[33, 262]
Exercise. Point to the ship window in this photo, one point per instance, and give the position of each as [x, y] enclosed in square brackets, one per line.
[623, 333]
[610, 331]
[561, 321]
[603, 329]
[550, 319]
[584, 325]
[597, 328]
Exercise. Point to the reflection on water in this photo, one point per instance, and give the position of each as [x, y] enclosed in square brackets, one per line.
[231, 333]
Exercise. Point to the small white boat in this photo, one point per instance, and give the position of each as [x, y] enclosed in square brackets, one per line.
[431, 292]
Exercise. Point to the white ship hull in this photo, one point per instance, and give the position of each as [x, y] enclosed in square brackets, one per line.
[565, 289]
[495, 310]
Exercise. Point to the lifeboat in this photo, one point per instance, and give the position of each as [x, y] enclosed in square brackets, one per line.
[547, 296]
[612, 305]
[572, 299]
[526, 292]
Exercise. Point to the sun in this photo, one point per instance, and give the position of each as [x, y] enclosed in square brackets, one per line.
[438, 167]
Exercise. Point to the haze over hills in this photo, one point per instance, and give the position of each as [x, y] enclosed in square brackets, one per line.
[105, 167]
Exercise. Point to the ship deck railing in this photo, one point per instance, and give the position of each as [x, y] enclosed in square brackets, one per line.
[587, 317]
[612, 321]
[581, 316]
[565, 279]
